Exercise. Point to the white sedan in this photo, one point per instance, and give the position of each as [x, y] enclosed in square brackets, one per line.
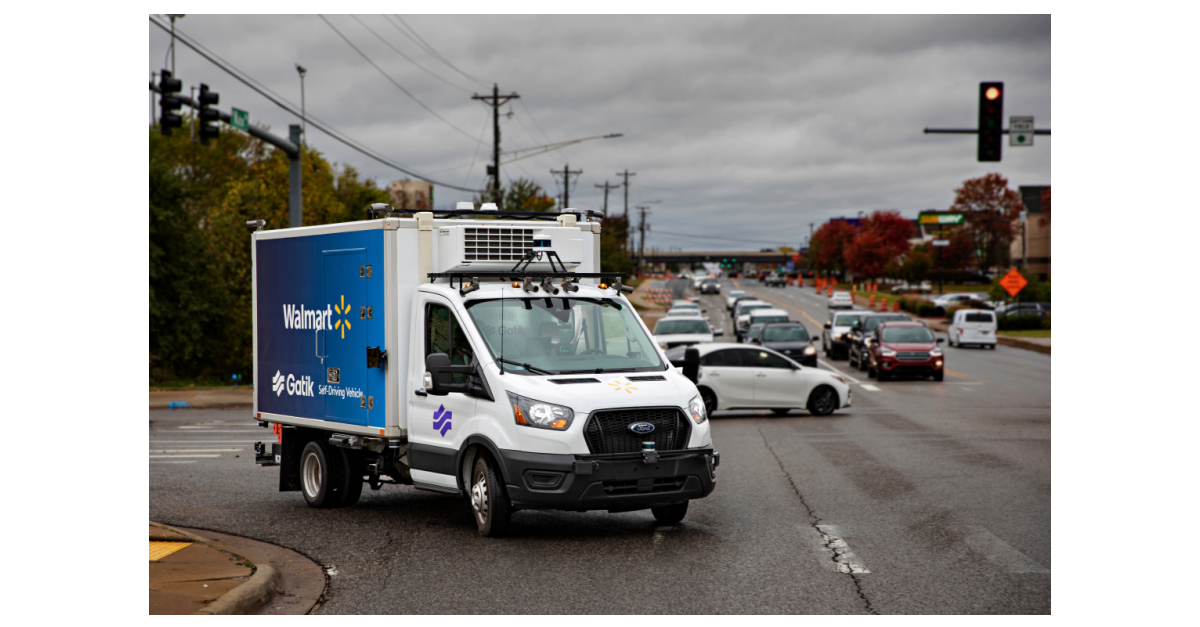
[736, 376]
[841, 299]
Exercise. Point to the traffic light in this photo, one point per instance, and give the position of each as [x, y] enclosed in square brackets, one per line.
[209, 117]
[991, 119]
[169, 103]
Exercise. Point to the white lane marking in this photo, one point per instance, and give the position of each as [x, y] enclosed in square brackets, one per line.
[845, 559]
[868, 386]
[197, 450]
[174, 456]
[826, 366]
[190, 462]
[1002, 553]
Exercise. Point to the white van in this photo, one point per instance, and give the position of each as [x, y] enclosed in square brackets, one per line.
[973, 326]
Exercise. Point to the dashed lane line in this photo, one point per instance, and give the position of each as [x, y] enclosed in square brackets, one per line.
[867, 386]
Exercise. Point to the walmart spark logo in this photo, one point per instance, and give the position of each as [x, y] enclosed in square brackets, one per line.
[343, 310]
[441, 420]
[621, 386]
[277, 383]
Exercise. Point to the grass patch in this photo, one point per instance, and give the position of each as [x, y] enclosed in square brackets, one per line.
[1032, 333]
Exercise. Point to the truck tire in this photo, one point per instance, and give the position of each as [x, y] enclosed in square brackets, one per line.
[490, 503]
[670, 514]
[354, 472]
[322, 475]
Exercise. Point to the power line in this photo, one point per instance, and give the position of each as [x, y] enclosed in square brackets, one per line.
[393, 81]
[284, 104]
[428, 48]
[410, 60]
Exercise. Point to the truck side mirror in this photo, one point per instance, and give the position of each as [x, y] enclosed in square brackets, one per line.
[940, 340]
[691, 364]
[828, 325]
[718, 332]
[439, 375]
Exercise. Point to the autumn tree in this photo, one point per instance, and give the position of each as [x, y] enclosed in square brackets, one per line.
[882, 238]
[827, 247]
[916, 265]
[989, 207]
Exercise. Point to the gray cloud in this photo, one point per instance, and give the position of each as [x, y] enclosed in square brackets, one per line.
[745, 127]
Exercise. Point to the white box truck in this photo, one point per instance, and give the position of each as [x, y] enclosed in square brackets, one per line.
[473, 353]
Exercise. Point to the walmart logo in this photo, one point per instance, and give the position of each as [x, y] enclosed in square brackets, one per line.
[344, 310]
[277, 383]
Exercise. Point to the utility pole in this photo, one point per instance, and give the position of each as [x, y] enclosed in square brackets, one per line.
[495, 102]
[173, 17]
[606, 187]
[303, 113]
[641, 236]
[153, 110]
[566, 173]
[626, 174]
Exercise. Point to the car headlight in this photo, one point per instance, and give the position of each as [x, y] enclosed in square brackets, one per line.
[531, 413]
[937, 352]
[810, 351]
[887, 352]
[866, 341]
[840, 378]
[696, 409]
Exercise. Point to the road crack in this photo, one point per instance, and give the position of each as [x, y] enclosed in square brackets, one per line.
[842, 556]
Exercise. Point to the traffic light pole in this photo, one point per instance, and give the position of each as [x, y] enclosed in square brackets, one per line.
[290, 148]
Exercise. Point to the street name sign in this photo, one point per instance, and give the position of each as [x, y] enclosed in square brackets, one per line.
[1020, 130]
[239, 119]
[940, 218]
[941, 242]
[1013, 282]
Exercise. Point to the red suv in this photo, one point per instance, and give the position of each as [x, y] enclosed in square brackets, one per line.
[905, 348]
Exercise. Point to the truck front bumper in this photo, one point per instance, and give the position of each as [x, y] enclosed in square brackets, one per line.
[617, 483]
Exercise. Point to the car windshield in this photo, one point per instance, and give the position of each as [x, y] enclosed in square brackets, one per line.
[874, 322]
[785, 334]
[683, 312]
[564, 335]
[686, 306]
[673, 327]
[736, 293]
[766, 319]
[911, 335]
[846, 320]
[748, 308]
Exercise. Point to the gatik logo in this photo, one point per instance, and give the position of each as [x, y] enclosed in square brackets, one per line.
[441, 420]
[295, 387]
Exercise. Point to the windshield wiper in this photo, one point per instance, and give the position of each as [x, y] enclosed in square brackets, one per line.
[599, 370]
[533, 369]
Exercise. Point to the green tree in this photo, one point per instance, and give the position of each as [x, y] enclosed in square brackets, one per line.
[614, 234]
[521, 194]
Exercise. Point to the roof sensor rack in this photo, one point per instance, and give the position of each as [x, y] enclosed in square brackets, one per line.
[380, 209]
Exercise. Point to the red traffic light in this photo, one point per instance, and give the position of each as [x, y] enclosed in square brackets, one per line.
[992, 93]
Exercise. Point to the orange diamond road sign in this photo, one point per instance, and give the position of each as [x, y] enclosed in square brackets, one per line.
[1013, 282]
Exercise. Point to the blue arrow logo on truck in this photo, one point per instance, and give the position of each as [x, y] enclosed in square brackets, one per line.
[441, 420]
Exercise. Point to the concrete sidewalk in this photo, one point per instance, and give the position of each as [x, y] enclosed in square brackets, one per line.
[203, 572]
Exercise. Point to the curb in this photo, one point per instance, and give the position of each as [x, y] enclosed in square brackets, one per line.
[257, 591]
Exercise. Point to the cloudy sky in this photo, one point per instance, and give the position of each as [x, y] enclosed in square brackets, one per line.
[745, 129]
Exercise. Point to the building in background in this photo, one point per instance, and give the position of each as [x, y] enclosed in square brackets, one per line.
[1031, 237]
[409, 194]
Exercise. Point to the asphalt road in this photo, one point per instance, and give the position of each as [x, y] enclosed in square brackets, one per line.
[922, 498]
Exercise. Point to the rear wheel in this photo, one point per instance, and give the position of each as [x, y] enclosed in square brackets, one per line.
[493, 510]
[670, 514]
[823, 401]
[322, 475]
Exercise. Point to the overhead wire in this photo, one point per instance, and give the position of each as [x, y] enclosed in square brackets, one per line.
[393, 81]
[291, 108]
[417, 39]
[408, 58]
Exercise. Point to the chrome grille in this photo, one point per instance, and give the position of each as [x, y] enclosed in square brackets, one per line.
[496, 244]
[912, 355]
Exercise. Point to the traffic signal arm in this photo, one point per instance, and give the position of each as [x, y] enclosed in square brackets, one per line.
[286, 146]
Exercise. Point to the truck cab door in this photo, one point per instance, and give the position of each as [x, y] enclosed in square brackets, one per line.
[342, 343]
[437, 423]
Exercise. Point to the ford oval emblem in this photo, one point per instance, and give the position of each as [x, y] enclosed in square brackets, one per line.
[641, 428]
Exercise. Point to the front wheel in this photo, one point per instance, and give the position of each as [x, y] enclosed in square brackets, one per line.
[938, 376]
[670, 514]
[823, 401]
[493, 510]
[709, 398]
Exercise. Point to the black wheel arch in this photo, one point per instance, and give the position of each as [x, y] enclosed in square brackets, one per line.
[469, 451]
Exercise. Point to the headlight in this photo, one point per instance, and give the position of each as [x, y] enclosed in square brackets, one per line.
[840, 378]
[866, 341]
[937, 352]
[810, 351]
[887, 352]
[696, 409]
[531, 413]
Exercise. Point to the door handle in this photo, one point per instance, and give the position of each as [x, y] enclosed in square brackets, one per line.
[421, 392]
[759, 374]
[317, 345]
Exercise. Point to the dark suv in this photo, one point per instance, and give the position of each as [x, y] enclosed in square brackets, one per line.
[859, 337]
[789, 338]
[905, 348]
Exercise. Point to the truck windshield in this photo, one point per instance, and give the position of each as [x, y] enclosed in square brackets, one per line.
[675, 327]
[564, 335]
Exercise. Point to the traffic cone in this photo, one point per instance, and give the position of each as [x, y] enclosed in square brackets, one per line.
[896, 306]
[884, 308]
[872, 301]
